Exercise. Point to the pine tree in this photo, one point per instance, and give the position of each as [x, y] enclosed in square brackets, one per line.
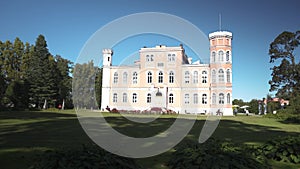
[40, 76]
[64, 81]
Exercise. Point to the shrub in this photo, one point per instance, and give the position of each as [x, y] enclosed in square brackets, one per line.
[286, 149]
[286, 116]
[114, 110]
[87, 157]
[213, 154]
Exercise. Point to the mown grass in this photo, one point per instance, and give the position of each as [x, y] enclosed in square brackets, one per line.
[25, 134]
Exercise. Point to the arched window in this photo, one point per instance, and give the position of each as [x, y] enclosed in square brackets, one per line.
[171, 98]
[115, 77]
[151, 58]
[195, 77]
[134, 98]
[187, 77]
[171, 57]
[204, 77]
[213, 55]
[227, 56]
[204, 98]
[149, 77]
[221, 56]
[195, 98]
[148, 98]
[124, 97]
[221, 98]
[115, 98]
[134, 78]
[228, 98]
[125, 76]
[221, 75]
[160, 77]
[228, 76]
[214, 98]
[186, 98]
[213, 76]
[171, 77]
[147, 58]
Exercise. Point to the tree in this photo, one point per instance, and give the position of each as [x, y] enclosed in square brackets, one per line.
[83, 87]
[285, 77]
[41, 76]
[63, 67]
[98, 86]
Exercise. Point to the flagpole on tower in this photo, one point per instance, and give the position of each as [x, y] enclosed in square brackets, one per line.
[220, 22]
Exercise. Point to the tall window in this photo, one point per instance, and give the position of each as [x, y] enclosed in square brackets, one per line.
[134, 78]
[195, 98]
[221, 56]
[134, 98]
[221, 75]
[160, 77]
[187, 77]
[228, 75]
[227, 56]
[195, 77]
[115, 98]
[221, 98]
[213, 76]
[149, 77]
[204, 98]
[125, 76]
[171, 77]
[151, 58]
[228, 98]
[171, 98]
[171, 57]
[148, 98]
[186, 98]
[115, 77]
[213, 55]
[214, 98]
[204, 77]
[124, 97]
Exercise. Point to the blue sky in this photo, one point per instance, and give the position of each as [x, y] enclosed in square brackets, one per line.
[67, 25]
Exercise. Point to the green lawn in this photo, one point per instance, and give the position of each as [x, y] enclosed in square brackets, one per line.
[23, 135]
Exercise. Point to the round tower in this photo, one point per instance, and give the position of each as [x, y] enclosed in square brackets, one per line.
[221, 71]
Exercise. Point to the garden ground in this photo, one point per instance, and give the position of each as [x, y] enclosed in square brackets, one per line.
[25, 134]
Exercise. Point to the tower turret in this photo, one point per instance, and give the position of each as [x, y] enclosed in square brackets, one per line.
[221, 71]
[107, 63]
[107, 57]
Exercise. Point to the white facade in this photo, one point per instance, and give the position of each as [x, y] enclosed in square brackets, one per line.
[165, 77]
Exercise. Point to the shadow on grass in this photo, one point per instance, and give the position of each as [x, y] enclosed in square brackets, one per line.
[20, 141]
[23, 115]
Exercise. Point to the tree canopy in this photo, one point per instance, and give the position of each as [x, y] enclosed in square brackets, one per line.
[286, 76]
[30, 74]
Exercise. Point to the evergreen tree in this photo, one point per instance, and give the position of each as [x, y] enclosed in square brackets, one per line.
[41, 78]
[2, 78]
[98, 86]
[286, 76]
[63, 67]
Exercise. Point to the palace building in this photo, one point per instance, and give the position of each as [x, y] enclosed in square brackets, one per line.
[164, 77]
